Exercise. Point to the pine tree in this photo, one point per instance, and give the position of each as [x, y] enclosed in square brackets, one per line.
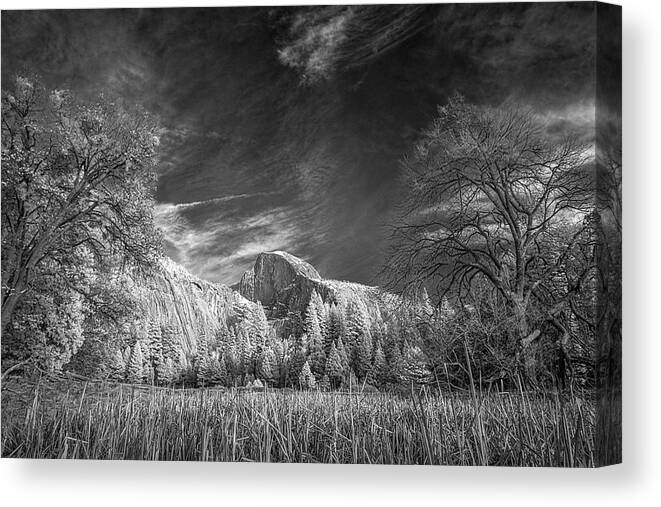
[414, 366]
[312, 328]
[426, 307]
[171, 343]
[117, 367]
[134, 369]
[334, 371]
[159, 366]
[380, 367]
[363, 355]
[351, 381]
[259, 326]
[336, 326]
[320, 309]
[148, 374]
[223, 374]
[202, 351]
[306, 378]
[165, 373]
[344, 358]
[356, 323]
[127, 354]
[153, 343]
[317, 356]
[395, 364]
[204, 371]
[267, 368]
[297, 360]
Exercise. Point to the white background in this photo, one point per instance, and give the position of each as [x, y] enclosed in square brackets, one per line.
[636, 482]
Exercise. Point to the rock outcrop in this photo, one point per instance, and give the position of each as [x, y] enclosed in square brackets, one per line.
[194, 306]
[283, 283]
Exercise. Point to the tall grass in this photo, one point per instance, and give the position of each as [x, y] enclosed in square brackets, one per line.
[122, 422]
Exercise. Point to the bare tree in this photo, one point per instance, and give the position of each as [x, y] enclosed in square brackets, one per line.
[493, 196]
[73, 177]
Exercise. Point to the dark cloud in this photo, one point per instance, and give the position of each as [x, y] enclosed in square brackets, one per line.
[253, 159]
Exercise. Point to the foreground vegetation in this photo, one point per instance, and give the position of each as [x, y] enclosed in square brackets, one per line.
[107, 421]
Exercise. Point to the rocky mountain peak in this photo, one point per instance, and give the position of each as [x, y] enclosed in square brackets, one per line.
[282, 282]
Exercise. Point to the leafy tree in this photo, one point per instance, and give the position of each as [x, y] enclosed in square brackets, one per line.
[306, 379]
[48, 329]
[73, 176]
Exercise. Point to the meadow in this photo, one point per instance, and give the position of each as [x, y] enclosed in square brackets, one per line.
[64, 419]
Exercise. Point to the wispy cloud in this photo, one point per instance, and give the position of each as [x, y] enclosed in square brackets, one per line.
[222, 246]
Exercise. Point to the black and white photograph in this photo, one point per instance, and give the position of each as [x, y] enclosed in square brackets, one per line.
[340, 234]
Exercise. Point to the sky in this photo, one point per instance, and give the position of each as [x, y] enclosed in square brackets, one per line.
[283, 128]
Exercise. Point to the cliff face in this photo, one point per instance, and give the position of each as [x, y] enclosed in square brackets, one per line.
[193, 306]
[282, 283]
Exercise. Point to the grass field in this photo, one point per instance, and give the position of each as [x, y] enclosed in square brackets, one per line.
[98, 421]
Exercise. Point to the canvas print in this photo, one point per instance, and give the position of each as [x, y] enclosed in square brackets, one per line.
[377, 234]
